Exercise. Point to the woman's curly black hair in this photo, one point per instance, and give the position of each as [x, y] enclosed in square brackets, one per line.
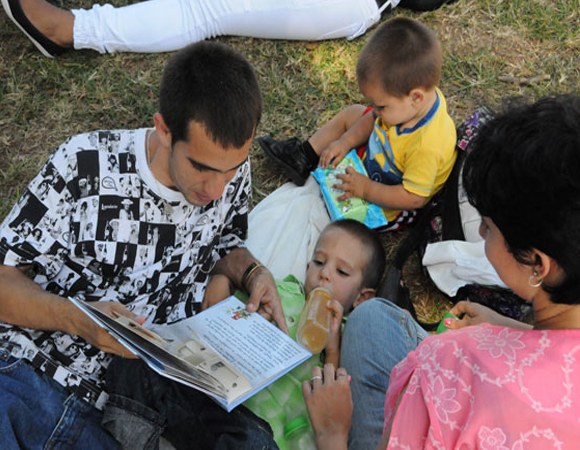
[524, 173]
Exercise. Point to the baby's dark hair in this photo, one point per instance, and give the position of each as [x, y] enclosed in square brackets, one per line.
[524, 173]
[213, 84]
[375, 253]
[403, 54]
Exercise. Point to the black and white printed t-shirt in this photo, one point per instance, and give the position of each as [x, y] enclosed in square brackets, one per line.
[92, 224]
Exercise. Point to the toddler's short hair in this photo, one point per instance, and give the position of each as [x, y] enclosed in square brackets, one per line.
[371, 243]
[403, 54]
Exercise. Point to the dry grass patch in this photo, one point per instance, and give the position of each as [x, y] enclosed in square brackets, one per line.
[304, 84]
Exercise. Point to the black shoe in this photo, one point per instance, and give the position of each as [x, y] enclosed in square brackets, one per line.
[423, 5]
[290, 156]
[16, 14]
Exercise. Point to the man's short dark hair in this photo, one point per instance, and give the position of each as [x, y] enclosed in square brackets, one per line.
[212, 84]
[402, 54]
[374, 250]
[524, 173]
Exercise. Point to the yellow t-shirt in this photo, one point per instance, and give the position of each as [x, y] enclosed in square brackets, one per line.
[421, 158]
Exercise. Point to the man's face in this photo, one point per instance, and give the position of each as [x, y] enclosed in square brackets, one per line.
[200, 168]
[337, 265]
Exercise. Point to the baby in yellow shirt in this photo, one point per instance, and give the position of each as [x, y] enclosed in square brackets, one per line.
[407, 136]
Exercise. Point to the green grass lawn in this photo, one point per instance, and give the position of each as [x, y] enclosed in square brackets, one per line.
[494, 49]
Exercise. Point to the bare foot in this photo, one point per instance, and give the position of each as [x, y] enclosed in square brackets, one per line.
[55, 23]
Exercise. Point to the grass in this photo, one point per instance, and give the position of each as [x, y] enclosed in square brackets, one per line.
[494, 49]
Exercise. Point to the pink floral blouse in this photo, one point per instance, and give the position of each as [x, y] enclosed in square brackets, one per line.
[488, 388]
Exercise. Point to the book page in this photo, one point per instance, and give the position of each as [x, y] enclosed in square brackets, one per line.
[156, 351]
[257, 348]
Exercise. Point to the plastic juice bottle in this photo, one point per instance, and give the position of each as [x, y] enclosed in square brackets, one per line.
[298, 435]
[314, 325]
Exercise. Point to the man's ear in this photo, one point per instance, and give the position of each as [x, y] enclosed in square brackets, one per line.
[162, 130]
[364, 295]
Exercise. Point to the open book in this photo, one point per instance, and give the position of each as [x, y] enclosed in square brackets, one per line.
[224, 351]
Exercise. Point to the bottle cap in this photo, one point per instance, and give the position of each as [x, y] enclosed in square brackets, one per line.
[296, 424]
[442, 327]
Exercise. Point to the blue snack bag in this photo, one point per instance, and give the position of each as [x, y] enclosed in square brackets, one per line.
[353, 208]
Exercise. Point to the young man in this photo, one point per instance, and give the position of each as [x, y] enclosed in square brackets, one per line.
[193, 174]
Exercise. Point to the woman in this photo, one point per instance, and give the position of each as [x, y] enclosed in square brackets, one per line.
[496, 385]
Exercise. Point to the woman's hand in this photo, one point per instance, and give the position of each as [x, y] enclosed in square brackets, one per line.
[475, 314]
[329, 404]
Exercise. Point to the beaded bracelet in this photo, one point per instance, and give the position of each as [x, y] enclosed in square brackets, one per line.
[248, 273]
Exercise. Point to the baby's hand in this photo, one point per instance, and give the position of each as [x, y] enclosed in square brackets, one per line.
[333, 344]
[354, 184]
[335, 152]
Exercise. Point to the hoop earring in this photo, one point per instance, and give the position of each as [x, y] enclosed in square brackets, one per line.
[537, 284]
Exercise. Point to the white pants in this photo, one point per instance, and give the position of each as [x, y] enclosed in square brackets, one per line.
[167, 25]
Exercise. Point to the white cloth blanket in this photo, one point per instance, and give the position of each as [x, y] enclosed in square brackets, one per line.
[284, 227]
[453, 264]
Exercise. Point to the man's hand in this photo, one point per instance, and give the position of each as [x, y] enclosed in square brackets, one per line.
[258, 282]
[329, 404]
[218, 289]
[95, 335]
[264, 297]
[354, 184]
[335, 153]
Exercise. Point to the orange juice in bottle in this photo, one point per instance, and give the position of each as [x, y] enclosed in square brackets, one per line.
[314, 325]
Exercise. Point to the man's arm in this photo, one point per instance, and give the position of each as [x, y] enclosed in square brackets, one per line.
[26, 304]
[258, 282]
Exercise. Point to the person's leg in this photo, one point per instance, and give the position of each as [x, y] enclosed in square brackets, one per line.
[298, 19]
[144, 406]
[168, 25]
[297, 159]
[336, 127]
[39, 413]
[145, 27]
[377, 336]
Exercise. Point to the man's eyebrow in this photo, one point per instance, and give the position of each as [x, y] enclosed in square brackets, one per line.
[200, 166]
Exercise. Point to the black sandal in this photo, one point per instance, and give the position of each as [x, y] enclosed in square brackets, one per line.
[47, 47]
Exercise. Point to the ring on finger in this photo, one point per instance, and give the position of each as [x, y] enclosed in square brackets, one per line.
[316, 377]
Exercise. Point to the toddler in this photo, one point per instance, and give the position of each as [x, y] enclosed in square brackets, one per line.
[407, 136]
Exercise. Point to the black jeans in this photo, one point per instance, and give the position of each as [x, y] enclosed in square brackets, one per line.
[143, 406]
